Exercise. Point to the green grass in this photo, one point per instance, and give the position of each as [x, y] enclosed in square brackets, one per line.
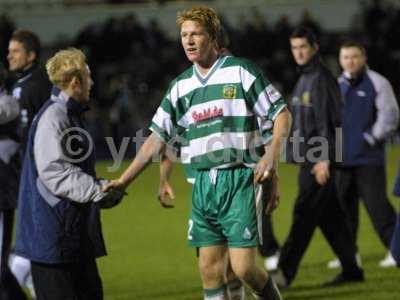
[149, 257]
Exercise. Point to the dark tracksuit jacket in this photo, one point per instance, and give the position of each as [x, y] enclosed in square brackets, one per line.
[32, 89]
[316, 107]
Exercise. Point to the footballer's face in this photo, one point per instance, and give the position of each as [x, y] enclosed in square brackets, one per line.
[197, 43]
[302, 50]
[18, 58]
[352, 60]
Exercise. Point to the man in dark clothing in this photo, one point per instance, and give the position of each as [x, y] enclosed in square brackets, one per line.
[31, 89]
[9, 178]
[316, 107]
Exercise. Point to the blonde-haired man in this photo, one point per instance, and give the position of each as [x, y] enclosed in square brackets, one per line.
[59, 228]
[214, 105]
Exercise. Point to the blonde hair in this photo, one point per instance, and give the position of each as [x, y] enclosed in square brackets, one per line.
[65, 65]
[205, 16]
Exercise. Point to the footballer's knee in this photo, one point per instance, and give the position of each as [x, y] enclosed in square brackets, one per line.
[244, 271]
[212, 270]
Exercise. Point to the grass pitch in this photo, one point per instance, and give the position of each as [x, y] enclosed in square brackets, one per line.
[149, 257]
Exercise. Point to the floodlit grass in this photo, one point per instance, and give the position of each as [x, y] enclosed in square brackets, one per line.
[149, 257]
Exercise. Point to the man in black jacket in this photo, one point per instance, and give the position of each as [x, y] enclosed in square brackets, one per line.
[316, 107]
[31, 88]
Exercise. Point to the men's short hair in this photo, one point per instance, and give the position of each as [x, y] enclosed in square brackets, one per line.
[29, 40]
[65, 65]
[305, 33]
[355, 44]
[205, 16]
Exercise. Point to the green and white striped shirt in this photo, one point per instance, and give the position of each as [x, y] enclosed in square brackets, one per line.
[216, 118]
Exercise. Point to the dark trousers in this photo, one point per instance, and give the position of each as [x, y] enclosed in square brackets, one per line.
[317, 206]
[73, 281]
[269, 244]
[369, 184]
[9, 287]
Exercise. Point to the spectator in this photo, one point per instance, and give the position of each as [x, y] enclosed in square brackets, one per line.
[316, 107]
[370, 115]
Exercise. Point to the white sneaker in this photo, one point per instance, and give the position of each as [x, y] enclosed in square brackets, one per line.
[388, 261]
[335, 263]
[271, 262]
[21, 268]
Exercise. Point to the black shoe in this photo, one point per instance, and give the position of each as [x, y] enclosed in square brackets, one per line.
[344, 278]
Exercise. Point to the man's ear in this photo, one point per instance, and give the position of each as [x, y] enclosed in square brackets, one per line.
[32, 56]
[75, 82]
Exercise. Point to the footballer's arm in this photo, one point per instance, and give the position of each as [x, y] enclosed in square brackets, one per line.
[151, 147]
[267, 165]
[165, 192]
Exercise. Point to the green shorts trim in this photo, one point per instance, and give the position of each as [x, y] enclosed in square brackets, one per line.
[223, 209]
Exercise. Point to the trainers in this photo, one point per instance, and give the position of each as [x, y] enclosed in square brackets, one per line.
[335, 263]
[388, 261]
[279, 278]
[343, 278]
[271, 262]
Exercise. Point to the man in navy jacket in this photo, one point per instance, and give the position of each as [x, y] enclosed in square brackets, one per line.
[370, 114]
[59, 227]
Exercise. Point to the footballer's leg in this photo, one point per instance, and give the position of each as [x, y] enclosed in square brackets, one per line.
[235, 286]
[212, 266]
[244, 265]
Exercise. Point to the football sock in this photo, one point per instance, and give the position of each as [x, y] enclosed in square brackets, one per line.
[216, 294]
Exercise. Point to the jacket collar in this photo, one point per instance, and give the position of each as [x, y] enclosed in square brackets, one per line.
[355, 80]
[313, 63]
[24, 74]
[74, 106]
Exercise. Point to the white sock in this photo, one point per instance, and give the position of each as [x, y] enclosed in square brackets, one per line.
[216, 294]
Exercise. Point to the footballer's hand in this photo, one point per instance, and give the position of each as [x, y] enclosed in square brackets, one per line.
[114, 184]
[321, 172]
[265, 169]
[274, 197]
[166, 195]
